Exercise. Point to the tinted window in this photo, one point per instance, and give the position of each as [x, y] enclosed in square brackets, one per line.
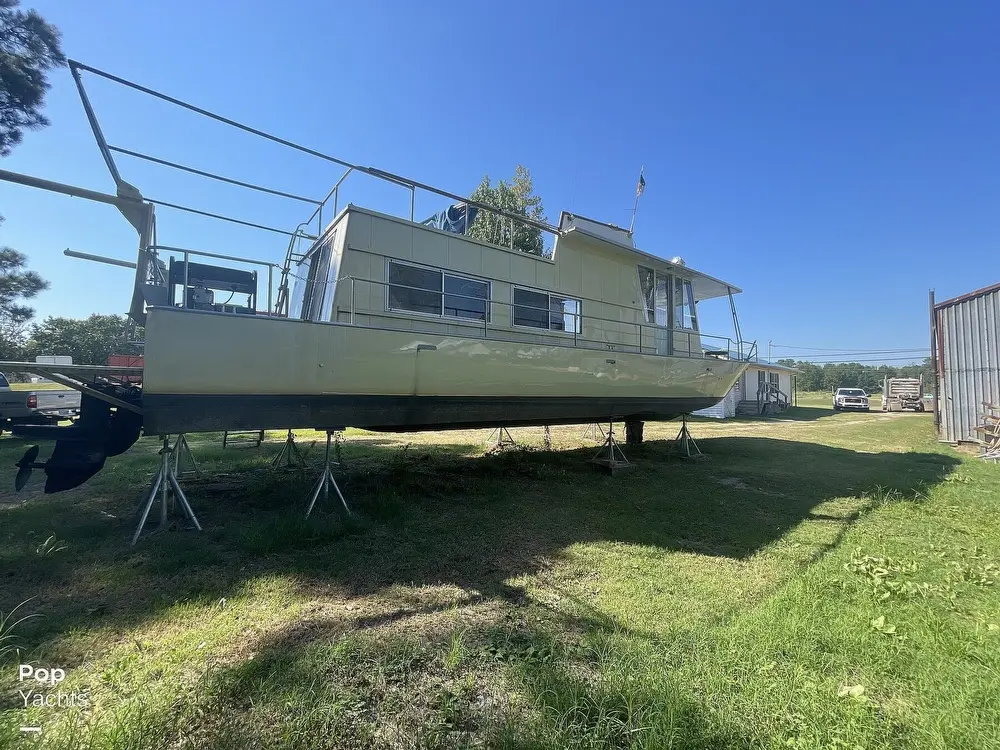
[531, 308]
[465, 298]
[646, 277]
[3, 381]
[414, 289]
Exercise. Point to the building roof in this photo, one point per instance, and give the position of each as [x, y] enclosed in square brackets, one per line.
[965, 297]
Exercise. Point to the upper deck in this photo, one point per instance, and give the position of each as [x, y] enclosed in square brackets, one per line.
[593, 290]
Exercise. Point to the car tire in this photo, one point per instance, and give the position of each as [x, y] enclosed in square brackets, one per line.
[836, 408]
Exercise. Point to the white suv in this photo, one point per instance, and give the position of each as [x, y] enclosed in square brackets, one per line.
[850, 398]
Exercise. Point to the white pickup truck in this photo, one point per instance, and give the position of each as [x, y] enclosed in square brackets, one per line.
[850, 398]
[36, 407]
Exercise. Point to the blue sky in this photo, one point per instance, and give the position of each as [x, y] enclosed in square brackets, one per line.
[834, 160]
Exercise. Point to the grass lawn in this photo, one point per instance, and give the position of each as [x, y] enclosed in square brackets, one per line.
[37, 387]
[821, 580]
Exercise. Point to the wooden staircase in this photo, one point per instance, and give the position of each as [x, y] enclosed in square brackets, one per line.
[770, 400]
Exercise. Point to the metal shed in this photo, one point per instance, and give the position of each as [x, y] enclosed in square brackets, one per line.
[965, 349]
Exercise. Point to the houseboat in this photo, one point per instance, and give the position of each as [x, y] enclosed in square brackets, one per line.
[387, 323]
[394, 325]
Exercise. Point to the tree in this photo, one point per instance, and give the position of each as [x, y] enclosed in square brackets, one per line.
[89, 341]
[832, 375]
[515, 197]
[16, 286]
[29, 48]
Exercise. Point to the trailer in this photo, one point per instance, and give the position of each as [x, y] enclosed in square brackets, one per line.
[900, 394]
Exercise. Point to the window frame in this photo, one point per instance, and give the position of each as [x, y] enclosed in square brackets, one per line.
[548, 296]
[444, 272]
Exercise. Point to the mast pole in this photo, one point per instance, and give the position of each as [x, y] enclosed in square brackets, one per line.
[638, 191]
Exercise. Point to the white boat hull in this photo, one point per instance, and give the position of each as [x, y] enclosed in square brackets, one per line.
[209, 371]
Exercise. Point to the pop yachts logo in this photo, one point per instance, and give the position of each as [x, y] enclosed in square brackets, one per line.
[38, 697]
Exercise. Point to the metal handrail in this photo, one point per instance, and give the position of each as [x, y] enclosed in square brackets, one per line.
[410, 184]
[187, 252]
[578, 320]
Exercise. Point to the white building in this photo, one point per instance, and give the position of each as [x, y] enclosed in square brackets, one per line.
[764, 388]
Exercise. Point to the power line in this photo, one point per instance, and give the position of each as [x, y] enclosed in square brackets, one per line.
[881, 360]
[848, 351]
[849, 355]
[894, 352]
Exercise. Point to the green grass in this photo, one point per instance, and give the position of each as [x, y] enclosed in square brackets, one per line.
[821, 580]
[36, 387]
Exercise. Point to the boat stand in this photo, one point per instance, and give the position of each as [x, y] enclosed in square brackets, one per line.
[327, 480]
[289, 457]
[500, 440]
[590, 432]
[165, 482]
[684, 442]
[610, 456]
[181, 451]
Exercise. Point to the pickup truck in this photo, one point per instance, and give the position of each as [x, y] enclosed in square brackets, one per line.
[850, 398]
[36, 407]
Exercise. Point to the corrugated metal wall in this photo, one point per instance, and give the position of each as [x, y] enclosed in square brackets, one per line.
[969, 332]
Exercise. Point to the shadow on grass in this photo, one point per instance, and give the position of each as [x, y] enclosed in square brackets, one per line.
[319, 685]
[430, 515]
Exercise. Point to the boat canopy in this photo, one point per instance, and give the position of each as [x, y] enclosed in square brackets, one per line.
[704, 286]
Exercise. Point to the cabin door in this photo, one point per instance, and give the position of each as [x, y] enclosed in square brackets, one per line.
[662, 308]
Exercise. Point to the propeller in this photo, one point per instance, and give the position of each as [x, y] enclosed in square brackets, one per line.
[24, 467]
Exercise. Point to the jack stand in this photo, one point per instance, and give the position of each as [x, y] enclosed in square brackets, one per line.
[181, 450]
[591, 430]
[499, 440]
[289, 457]
[165, 481]
[327, 480]
[607, 456]
[684, 442]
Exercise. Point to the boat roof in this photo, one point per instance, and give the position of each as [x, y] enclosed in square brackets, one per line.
[705, 286]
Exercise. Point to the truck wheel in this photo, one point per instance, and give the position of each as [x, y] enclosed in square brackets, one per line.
[836, 408]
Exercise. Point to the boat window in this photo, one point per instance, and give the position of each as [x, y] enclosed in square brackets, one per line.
[547, 311]
[684, 309]
[317, 282]
[564, 314]
[315, 277]
[531, 308]
[435, 292]
[414, 289]
[465, 298]
[646, 287]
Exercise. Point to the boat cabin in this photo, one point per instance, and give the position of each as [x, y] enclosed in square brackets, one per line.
[594, 289]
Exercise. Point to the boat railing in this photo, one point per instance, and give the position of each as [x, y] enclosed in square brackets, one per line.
[507, 220]
[631, 335]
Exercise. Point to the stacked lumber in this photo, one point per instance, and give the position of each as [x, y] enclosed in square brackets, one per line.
[990, 431]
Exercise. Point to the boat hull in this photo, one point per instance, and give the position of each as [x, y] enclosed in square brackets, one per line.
[208, 371]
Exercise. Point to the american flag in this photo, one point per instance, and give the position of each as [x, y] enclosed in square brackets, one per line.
[641, 186]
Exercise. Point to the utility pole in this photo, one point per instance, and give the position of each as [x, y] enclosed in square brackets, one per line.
[770, 345]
